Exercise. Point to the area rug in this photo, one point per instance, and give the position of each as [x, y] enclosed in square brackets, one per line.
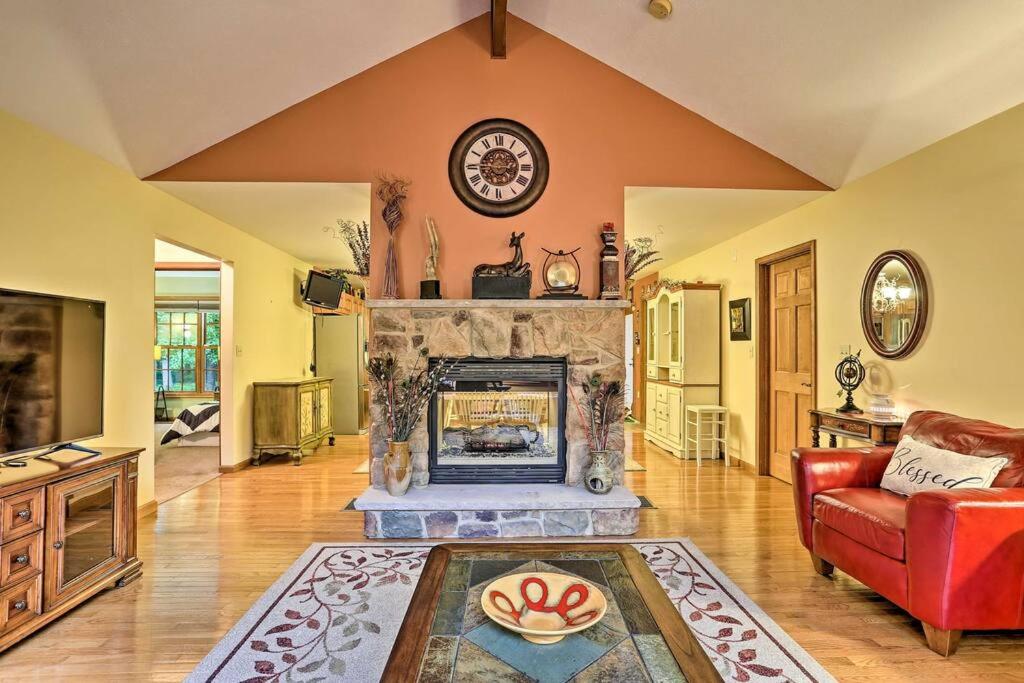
[633, 466]
[334, 614]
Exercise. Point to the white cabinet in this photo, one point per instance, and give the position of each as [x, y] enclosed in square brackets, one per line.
[683, 358]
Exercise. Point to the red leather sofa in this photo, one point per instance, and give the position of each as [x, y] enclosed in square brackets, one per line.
[952, 558]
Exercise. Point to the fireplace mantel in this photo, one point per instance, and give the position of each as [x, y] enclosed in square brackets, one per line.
[499, 303]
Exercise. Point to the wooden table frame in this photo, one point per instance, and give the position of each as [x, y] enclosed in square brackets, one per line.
[411, 644]
[879, 431]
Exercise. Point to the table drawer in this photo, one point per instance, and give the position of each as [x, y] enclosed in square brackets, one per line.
[848, 426]
[20, 604]
[21, 514]
[675, 375]
[662, 394]
[21, 559]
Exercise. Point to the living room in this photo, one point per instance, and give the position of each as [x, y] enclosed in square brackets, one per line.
[715, 308]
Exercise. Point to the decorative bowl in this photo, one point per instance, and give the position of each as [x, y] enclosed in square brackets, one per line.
[543, 607]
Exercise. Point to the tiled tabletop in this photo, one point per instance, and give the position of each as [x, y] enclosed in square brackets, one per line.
[465, 645]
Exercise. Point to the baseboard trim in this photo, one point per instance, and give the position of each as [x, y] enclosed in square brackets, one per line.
[147, 509]
[231, 469]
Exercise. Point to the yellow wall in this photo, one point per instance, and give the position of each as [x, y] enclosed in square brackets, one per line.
[959, 206]
[73, 224]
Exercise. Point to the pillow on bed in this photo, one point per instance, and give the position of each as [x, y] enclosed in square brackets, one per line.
[916, 466]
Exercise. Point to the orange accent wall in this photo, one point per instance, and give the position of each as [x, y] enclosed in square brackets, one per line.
[602, 130]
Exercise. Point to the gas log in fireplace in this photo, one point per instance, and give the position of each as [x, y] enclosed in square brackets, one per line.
[499, 421]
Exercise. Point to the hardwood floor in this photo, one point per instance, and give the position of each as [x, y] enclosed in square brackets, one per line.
[211, 552]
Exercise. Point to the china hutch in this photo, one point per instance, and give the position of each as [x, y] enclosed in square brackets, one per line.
[683, 362]
[67, 532]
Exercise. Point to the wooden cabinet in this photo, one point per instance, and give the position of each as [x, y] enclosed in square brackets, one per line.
[290, 416]
[68, 532]
[683, 358]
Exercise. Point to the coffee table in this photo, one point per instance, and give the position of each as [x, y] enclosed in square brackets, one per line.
[446, 636]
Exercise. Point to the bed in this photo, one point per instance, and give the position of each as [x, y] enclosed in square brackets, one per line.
[196, 423]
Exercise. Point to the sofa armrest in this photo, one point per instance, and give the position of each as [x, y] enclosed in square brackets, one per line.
[821, 469]
[965, 558]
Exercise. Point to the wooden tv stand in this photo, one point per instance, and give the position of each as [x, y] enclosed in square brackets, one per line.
[67, 532]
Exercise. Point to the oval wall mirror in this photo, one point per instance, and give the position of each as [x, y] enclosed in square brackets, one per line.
[894, 304]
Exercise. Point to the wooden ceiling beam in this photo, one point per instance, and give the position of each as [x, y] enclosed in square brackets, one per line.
[499, 13]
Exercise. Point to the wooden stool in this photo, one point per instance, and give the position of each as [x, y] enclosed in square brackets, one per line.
[710, 425]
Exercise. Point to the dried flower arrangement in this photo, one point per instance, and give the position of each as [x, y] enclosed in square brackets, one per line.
[404, 398]
[640, 253]
[604, 405]
[357, 237]
[392, 191]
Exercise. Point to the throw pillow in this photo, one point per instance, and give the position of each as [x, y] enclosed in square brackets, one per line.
[916, 466]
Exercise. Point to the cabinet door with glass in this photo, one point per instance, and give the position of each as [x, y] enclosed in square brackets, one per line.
[84, 532]
[652, 333]
[675, 321]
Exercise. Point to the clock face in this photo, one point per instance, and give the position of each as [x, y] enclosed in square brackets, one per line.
[498, 167]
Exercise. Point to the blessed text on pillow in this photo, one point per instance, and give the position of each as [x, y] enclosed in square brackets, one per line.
[916, 466]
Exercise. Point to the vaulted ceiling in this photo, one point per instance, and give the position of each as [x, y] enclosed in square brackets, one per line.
[836, 88]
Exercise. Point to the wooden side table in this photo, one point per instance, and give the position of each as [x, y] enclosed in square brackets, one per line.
[879, 431]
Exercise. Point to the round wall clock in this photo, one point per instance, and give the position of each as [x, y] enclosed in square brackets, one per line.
[498, 167]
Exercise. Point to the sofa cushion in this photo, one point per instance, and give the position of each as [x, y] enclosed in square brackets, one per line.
[916, 466]
[873, 517]
[971, 437]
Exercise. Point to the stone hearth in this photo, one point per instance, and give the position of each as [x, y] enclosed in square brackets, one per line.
[590, 335]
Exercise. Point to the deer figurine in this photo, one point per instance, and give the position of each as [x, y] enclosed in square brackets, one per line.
[513, 268]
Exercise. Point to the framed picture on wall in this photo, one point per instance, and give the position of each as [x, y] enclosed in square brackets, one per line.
[739, 320]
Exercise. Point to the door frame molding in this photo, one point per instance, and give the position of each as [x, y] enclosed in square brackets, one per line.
[763, 335]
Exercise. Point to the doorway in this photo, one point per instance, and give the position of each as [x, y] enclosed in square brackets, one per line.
[786, 355]
[187, 341]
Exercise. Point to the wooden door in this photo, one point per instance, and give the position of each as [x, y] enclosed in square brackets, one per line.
[791, 290]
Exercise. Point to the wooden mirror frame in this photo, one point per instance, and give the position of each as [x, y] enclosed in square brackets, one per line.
[920, 320]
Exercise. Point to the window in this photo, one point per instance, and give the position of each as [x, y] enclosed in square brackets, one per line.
[189, 342]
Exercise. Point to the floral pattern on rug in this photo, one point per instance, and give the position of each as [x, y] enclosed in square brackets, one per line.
[736, 641]
[335, 613]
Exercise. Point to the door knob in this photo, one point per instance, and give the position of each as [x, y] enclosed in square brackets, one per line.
[806, 384]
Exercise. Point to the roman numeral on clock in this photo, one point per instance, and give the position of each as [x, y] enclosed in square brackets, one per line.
[522, 154]
[472, 167]
[522, 180]
[475, 178]
[497, 193]
[499, 140]
[486, 144]
[485, 190]
[526, 167]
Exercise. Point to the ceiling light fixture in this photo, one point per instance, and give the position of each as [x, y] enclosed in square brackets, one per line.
[660, 9]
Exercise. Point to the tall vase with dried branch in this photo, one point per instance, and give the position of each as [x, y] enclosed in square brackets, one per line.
[392, 191]
[356, 237]
[602, 410]
[640, 253]
[404, 398]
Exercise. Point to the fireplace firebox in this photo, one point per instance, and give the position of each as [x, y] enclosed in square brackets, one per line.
[499, 421]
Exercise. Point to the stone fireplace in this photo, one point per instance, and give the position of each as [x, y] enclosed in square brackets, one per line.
[503, 448]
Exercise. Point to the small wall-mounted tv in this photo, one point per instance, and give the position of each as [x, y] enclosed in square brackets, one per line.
[321, 290]
[51, 370]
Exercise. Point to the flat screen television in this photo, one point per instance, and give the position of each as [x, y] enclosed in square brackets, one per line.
[51, 370]
[320, 290]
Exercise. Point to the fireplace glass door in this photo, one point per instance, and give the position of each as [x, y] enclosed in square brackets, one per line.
[499, 421]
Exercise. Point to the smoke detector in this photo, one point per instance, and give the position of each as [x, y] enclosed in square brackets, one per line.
[660, 9]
